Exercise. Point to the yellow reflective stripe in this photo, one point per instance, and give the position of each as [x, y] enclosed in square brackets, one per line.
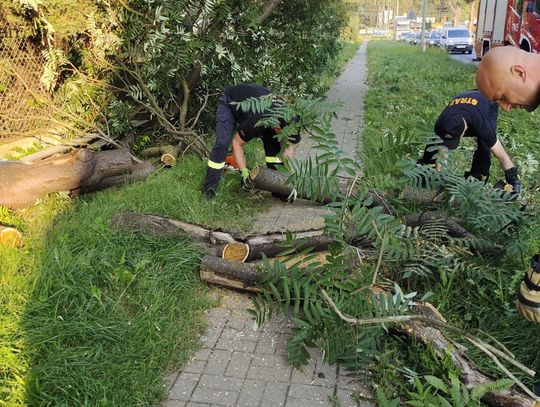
[273, 160]
[216, 166]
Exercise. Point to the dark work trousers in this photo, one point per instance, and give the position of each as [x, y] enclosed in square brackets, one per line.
[272, 147]
[481, 162]
[481, 159]
[225, 127]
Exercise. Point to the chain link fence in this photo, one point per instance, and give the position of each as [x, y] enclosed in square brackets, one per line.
[23, 100]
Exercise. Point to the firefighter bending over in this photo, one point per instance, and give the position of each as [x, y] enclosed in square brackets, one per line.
[238, 127]
[470, 114]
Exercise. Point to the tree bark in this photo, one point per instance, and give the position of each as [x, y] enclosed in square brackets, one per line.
[270, 244]
[160, 226]
[140, 172]
[169, 153]
[424, 197]
[21, 184]
[454, 228]
[267, 245]
[231, 274]
[276, 181]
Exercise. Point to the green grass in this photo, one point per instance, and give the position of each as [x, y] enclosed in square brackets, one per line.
[408, 90]
[93, 316]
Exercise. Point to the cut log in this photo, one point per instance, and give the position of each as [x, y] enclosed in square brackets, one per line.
[270, 247]
[233, 251]
[10, 237]
[270, 244]
[21, 184]
[168, 153]
[231, 274]
[270, 180]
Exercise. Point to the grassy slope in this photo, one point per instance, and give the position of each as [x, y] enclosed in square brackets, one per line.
[408, 89]
[91, 316]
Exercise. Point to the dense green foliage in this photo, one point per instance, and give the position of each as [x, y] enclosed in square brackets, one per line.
[470, 280]
[408, 90]
[147, 67]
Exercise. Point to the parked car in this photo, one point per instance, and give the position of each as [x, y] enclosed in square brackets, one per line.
[402, 36]
[434, 39]
[414, 38]
[407, 37]
[457, 39]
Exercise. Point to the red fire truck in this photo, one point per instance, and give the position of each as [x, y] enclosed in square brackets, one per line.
[508, 22]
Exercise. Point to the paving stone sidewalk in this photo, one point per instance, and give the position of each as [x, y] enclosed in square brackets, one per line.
[239, 366]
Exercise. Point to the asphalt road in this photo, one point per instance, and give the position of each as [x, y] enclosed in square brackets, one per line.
[465, 58]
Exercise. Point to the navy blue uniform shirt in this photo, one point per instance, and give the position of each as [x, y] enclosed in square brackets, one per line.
[479, 113]
[247, 120]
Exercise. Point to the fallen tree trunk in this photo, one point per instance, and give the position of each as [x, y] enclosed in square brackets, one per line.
[21, 184]
[160, 226]
[157, 226]
[270, 244]
[140, 171]
[423, 196]
[255, 248]
[270, 180]
[454, 228]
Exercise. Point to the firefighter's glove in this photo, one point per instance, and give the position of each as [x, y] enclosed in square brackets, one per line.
[246, 181]
[512, 180]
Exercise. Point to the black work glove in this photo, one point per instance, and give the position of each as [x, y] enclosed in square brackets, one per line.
[246, 181]
[512, 179]
[247, 184]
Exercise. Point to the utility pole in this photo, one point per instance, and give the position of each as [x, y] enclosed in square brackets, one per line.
[423, 34]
